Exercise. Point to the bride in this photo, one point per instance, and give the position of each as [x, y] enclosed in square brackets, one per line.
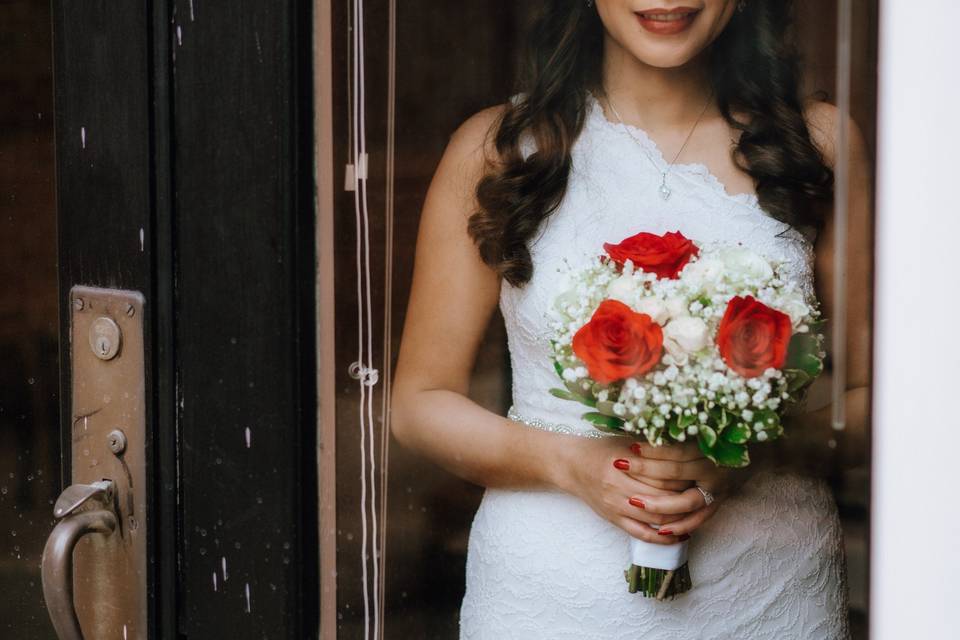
[635, 115]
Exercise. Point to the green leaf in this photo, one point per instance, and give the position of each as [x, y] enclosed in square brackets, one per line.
[574, 387]
[605, 423]
[605, 407]
[771, 424]
[797, 379]
[708, 435]
[584, 394]
[706, 451]
[802, 343]
[727, 454]
[803, 353]
[811, 365]
[769, 418]
[558, 368]
[720, 418]
[675, 427]
[564, 394]
[738, 433]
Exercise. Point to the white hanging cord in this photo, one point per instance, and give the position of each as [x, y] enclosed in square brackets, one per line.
[841, 215]
[372, 379]
[362, 369]
[359, 367]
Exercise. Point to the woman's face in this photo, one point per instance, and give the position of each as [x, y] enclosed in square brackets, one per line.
[664, 33]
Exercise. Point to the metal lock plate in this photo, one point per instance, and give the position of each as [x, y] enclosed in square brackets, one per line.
[108, 437]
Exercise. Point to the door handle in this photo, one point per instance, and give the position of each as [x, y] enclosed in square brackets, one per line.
[95, 567]
[82, 509]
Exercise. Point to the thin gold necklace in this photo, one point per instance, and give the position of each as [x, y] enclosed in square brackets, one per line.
[664, 190]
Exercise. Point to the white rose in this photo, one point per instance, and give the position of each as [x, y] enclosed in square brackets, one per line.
[683, 336]
[677, 306]
[564, 301]
[622, 289]
[796, 308]
[743, 264]
[653, 307]
[703, 274]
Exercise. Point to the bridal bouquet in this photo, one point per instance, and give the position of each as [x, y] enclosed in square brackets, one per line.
[668, 340]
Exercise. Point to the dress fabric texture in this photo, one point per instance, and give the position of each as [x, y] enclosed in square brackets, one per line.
[542, 564]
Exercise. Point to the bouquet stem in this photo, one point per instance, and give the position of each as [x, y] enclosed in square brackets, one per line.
[658, 570]
[661, 584]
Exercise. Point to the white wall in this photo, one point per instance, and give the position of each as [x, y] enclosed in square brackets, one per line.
[916, 490]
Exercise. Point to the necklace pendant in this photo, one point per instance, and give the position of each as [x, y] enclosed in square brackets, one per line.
[664, 189]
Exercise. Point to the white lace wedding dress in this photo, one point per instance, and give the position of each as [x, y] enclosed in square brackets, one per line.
[769, 564]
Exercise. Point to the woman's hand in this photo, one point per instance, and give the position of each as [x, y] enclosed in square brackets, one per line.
[597, 472]
[681, 463]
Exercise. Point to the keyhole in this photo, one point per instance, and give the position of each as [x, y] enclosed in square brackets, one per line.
[104, 337]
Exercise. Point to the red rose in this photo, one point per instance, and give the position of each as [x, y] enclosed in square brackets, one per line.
[664, 255]
[618, 342]
[752, 337]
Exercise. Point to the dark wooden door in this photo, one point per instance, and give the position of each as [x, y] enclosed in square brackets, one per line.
[183, 165]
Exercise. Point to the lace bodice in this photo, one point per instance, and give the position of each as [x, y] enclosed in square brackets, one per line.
[541, 564]
[612, 194]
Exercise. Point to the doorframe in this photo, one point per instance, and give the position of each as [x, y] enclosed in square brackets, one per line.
[915, 354]
[326, 317]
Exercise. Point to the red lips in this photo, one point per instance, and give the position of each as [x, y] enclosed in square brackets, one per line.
[667, 22]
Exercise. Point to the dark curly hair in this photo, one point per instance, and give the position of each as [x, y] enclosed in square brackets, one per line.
[755, 71]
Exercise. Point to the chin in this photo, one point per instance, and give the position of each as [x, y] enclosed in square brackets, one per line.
[664, 55]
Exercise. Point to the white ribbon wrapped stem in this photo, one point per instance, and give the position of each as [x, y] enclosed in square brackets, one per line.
[658, 556]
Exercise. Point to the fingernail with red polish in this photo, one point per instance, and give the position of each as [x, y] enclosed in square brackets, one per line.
[635, 447]
[684, 537]
[637, 502]
[665, 532]
[621, 464]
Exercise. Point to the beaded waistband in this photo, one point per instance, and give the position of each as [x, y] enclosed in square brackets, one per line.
[554, 427]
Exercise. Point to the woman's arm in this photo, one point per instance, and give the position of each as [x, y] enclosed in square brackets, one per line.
[452, 298]
[808, 442]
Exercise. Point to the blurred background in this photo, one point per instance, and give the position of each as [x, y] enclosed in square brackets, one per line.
[29, 430]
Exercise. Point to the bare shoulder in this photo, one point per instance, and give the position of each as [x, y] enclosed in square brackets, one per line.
[470, 154]
[473, 142]
[823, 122]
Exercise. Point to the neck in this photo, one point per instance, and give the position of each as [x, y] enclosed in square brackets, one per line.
[651, 97]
